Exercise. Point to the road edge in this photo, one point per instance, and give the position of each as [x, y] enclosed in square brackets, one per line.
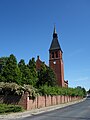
[37, 111]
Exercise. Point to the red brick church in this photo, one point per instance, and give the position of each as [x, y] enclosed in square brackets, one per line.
[55, 61]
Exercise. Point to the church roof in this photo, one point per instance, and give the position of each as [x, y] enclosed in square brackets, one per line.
[55, 43]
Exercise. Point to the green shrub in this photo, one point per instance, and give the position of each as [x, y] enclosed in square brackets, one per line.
[48, 90]
[4, 108]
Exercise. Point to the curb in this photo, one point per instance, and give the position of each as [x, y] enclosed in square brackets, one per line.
[15, 116]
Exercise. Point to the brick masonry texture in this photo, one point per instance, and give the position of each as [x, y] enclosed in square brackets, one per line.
[39, 102]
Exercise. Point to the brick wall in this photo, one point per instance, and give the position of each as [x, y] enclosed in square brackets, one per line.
[48, 101]
[39, 102]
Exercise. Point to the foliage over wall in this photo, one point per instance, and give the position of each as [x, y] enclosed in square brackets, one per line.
[47, 90]
[15, 89]
[21, 73]
[18, 78]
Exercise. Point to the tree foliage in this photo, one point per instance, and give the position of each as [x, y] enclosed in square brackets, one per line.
[32, 67]
[3, 61]
[48, 90]
[20, 77]
[26, 73]
[46, 76]
[20, 73]
[88, 91]
[11, 72]
[15, 89]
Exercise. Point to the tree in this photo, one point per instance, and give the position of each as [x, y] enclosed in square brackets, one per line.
[80, 91]
[84, 91]
[11, 72]
[3, 61]
[46, 76]
[88, 91]
[50, 77]
[32, 67]
[21, 65]
[41, 76]
[26, 73]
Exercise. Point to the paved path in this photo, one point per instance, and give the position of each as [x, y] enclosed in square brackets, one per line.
[52, 112]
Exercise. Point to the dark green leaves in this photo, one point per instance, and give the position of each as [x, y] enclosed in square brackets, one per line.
[46, 76]
[10, 71]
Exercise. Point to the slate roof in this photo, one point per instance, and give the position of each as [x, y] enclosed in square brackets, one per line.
[55, 43]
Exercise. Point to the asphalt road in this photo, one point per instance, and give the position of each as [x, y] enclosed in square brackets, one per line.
[80, 111]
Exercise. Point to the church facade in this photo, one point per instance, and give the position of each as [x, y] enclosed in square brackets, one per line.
[55, 60]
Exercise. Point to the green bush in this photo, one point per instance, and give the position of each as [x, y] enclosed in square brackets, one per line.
[4, 108]
[48, 90]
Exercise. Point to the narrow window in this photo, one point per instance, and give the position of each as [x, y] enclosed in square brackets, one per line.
[56, 54]
[52, 54]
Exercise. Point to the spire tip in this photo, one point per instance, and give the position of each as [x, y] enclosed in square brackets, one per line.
[54, 29]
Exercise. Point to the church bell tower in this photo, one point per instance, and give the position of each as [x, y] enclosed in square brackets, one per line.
[55, 59]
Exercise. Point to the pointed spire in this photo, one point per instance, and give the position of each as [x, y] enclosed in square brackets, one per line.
[54, 32]
[55, 43]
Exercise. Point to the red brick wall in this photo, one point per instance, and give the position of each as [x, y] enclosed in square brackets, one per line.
[32, 104]
[39, 102]
[48, 100]
[58, 100]
[62, 99]
[15, 100]
[23, 101]
[53, 100]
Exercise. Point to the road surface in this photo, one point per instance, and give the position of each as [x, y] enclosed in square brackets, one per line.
[80, 111]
